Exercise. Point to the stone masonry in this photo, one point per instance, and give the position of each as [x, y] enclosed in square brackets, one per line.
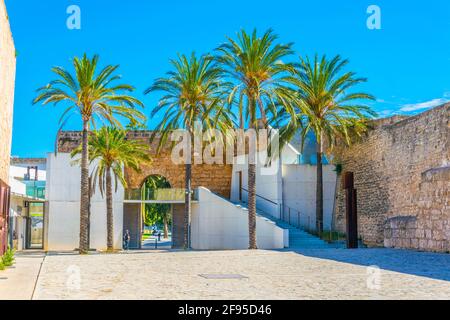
[402, 174]
[7, 79]
[217, 178]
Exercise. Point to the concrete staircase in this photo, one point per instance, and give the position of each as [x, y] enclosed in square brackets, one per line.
[298, 238]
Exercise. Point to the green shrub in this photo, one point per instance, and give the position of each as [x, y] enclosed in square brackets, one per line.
[2, 266]
[8, 258]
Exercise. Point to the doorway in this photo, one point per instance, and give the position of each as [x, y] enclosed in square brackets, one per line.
[35, 225]
[148, 213]
[156, 217]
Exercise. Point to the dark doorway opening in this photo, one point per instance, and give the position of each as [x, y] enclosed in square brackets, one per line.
[35, 225]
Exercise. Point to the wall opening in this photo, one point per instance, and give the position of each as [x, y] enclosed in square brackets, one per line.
[156, 217]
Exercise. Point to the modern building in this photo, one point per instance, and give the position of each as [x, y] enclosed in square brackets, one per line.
[285, 201]
[26, 223]
[7, 80]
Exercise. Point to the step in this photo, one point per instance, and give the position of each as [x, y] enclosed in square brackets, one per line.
[298, 238]
[308, 242]
[304, 234]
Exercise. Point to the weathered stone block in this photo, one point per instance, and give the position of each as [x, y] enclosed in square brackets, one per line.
[420, 233]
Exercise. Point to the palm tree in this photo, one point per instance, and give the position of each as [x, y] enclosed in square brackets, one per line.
[255, 67]
[92, 95]
[111, 151]
[325, 107]
[193, 92]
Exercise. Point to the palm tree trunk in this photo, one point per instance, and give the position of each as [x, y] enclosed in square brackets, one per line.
[252, 206]
[319, 190]
[187, 205]
[84, 201]
[109, 211]
[166, 226]
[187, 199]
[252, 190]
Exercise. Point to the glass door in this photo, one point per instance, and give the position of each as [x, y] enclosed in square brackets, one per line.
[35, 225]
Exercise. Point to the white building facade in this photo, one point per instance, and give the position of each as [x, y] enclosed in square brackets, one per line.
[286, 192]
[286, 189]
[62, 223]
[27, 205]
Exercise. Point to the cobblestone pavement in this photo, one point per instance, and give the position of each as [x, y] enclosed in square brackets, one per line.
[310, 274]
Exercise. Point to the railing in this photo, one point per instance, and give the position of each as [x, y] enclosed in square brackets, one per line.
[258, 196]
[295, 218]
[301, 220]
[155, 195]
[270, 202]
[290, 215]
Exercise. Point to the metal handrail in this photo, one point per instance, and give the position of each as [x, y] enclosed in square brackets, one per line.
[294, 212]
[282, 208]
[290, 210]
[261, 197]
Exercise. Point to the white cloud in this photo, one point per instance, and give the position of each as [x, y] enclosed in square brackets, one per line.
[423, 105]
[386, 113]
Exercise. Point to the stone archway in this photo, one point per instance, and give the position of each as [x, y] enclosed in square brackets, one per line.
[216, 178]
[134, 219]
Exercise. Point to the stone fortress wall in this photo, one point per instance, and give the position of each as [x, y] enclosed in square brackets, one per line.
[7, 79]
[217, 178]
[402, 174]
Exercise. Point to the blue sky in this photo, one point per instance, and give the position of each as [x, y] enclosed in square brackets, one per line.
[407, 62]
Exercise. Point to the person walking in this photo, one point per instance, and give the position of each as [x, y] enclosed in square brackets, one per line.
[126, 240]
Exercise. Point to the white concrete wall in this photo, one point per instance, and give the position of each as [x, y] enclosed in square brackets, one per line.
[292, 186]
[23, 163]
[63, 196]
[18, 212]
[218, 224]
[299, 194]
[268, 185]
[290, 155]
[16, 171]
[16, 185]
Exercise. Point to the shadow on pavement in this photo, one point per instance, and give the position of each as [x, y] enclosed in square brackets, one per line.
[424, 264]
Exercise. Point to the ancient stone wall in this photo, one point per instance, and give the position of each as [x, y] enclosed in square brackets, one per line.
[217, 178]
[7, 78]
[402, 177]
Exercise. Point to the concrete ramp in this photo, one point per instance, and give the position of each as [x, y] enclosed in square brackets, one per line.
[218, 224]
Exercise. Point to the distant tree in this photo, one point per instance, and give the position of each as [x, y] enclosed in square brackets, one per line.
[158, 213]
